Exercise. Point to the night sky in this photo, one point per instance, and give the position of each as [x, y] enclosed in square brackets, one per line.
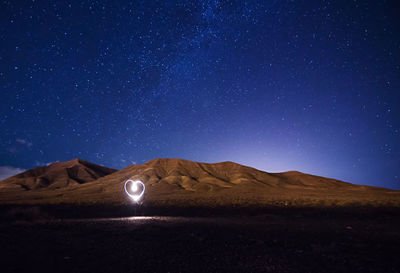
[312, 86]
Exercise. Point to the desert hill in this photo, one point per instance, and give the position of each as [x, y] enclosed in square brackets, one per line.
[177, 182]
[56, 175]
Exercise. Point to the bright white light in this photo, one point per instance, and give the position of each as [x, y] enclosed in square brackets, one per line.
[134, 187]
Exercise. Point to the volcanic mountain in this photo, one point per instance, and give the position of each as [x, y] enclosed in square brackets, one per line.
[177, 182]
[55, 176]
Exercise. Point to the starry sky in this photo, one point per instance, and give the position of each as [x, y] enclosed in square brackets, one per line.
[307, 85]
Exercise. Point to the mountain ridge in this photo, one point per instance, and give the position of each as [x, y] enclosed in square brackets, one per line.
[179, 182]
[56, 175]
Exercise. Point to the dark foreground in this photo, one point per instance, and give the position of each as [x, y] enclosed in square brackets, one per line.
[295, 241]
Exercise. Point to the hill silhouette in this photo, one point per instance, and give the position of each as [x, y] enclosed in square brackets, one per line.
[56, 175]
[178, 182]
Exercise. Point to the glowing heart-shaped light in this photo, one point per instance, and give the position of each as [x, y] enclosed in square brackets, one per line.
[134, 189]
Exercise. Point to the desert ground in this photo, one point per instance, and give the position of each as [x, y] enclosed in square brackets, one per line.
[274, 240]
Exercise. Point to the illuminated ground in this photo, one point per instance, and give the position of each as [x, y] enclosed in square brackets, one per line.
[298, 241]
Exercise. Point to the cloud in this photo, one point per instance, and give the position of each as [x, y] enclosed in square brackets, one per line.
[24, 142]
[8, 171]
[124, 161]
[19, 145]
[39, 163]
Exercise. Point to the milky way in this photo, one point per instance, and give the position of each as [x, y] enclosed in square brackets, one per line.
[278, 85]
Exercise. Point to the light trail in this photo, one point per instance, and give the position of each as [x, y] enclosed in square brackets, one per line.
[133, 190]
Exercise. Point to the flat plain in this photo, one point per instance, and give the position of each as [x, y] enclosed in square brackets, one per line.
[275, 240]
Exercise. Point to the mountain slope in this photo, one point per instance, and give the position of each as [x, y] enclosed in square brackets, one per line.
[56, 175]
[177, 182]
